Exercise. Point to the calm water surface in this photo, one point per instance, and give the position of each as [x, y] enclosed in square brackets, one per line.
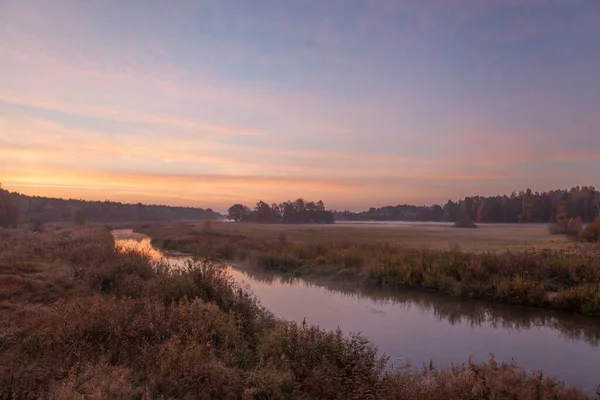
[420, 326]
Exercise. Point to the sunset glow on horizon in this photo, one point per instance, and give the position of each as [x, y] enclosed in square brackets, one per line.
[363, 103]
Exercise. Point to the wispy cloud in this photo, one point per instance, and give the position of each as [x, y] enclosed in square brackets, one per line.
[383, 102]
[124, 115]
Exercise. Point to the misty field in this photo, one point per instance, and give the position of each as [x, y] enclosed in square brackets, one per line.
[487, 237]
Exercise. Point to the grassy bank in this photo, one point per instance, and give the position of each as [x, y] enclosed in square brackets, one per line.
[79, 319]
[566, 279]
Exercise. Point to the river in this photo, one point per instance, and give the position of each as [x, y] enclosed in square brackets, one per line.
[419, 326]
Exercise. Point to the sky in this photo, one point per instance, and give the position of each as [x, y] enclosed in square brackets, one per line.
[358, 103]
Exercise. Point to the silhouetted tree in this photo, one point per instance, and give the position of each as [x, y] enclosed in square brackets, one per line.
[276, 212]
[296, 212]
[238, 212]
[264, 213]
[451, 211]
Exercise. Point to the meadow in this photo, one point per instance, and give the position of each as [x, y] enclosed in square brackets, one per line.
[487, 237]
[520, 264]
[80, 319]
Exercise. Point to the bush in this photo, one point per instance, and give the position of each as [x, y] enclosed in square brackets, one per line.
[464, 223]
[591, 232]
[328, 365]
[571, 227]
[492, 380]
[95, 381]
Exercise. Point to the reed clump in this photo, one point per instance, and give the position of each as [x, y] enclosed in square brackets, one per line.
[114, 324]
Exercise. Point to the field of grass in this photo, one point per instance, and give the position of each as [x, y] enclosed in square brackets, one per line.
[80, 319]
[488, 237]
[535, 269]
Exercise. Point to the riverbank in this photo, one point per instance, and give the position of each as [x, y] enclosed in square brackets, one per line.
[564, 279]
[79, 318]
[450, 329]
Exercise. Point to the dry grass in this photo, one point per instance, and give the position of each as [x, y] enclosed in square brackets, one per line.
[488, 237]
[555, 278]
[112, 324]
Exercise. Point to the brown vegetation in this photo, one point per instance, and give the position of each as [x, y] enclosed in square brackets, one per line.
[591, 232]
[520, 277]
[79, 319]
[464, 223]
[486, 238]
[573, 229]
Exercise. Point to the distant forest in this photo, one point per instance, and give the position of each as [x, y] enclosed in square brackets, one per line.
[523, 207]
[16, 207]
[295, 212]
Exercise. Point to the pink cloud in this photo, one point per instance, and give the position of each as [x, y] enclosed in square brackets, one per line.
[124, 115]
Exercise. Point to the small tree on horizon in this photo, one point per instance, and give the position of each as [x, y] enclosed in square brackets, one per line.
[238, 212]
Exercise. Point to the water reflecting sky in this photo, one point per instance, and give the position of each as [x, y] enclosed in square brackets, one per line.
[419, 326]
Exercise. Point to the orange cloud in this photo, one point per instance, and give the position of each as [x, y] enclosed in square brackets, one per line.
[34, 140]
[204, 186]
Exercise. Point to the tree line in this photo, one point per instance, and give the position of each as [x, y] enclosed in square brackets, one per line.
[16, 207]
[519, 207]
[293, 212]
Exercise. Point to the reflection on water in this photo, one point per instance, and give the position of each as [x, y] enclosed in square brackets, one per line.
[126, 239]
[475, 313]
[421, 326]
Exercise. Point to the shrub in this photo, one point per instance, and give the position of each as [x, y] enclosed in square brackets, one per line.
[591, 232]
[464, 223]
[571, 227]
[490, 380]
[94, 381]
[326, 364]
